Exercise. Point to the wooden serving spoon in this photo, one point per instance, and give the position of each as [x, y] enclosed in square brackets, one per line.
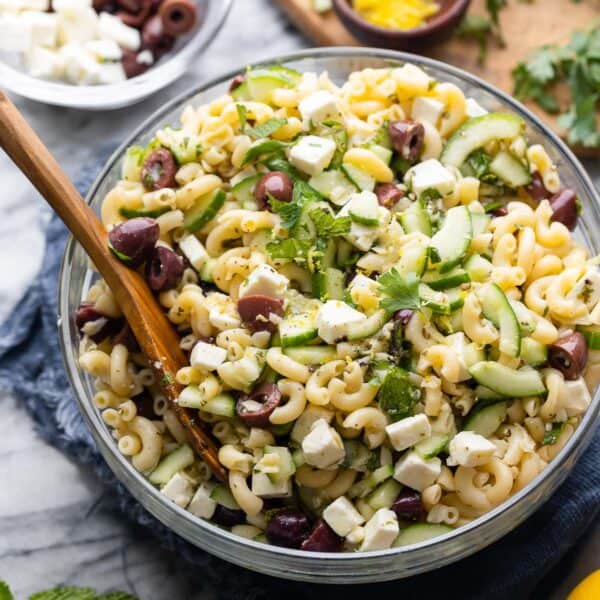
[155, 335]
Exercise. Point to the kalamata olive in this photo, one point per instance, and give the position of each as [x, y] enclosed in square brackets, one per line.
[256, 408]
[536, 189]
[236, 82]
[133, 240]
[131, 65]
[501, 211]
[103, 5]
[139, 17]
[144, 403]
[164, 269]
[255, 311]
[155, 39]
[228, 517]
[569, 355]
[408, 505]
[277, 184]
[289, 528]
[178, 16]
[388, 194]
[322, 539]
[564, 207]
[126, 338]
[131, 6]
[404, 316]
[159, 170]
[407, 138]
[103, 326]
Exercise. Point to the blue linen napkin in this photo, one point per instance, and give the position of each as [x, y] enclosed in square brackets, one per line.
[31, 367]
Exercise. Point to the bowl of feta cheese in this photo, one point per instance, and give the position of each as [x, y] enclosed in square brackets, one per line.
[101, 54]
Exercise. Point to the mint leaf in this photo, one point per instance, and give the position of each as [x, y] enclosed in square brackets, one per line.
[266, 129]
[263, 148]
[327, 225]
[65, 593]
[304, 193]
[5, 593]
[290, 248]
[288, 211]
[551, 436]
[400, 292]
[243, 116]
[116, 596]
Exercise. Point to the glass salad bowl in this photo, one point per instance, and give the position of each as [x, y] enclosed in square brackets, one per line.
[173, 65]
[76, 277]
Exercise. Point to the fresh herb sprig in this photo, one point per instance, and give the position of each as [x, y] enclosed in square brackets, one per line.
[67, 593]
[399, 292]
[482, 28]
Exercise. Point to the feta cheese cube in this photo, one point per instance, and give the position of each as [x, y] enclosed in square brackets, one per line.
[194, 251]
[264, 487]
[575, 397]
[356, 536]
[407, 432]
[335, 319]
[80, 27]
[312, 154]
[38, 5]
[364, 236]
[305, 421]
[430, 174]
[241, 374]
[342, 517]
[265, 281]
[202, 505]
[113, 28]
[111, 72]
[178, 489]
[15, 33]
[80, 67]
[44, 28]
[427, 109]
[416, 472]
[318, 107]
[104, 50]
[474, 109]
[380, 531]
[207, 356]
[44, 63]
[70, 8]
[470, 449]
[459, 343]
[323, 447]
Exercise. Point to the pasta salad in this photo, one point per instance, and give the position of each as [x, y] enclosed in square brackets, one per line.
[389, 326]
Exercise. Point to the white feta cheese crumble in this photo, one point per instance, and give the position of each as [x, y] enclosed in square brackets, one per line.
[312, 154]
[44, 63]
[43, 26]
[342, 517]
[15, 33]
[335, 319]
[178, 489]
[145, 58]
[318, 107]
[416, 472]
[202, 505]
[264, 487]
[407, 432]
[71, 8]
[111, 72]
[427, 109]
[207, 356]
[113, 28]
[575, 397]
[380, 531]
[194, 251]
[80, 66]
[469, 449]
[474, 109]
[305, 421]
[104, 50]
[80, 27]
[430, 174]
[265, 281]
[323, 446]
[356, 536]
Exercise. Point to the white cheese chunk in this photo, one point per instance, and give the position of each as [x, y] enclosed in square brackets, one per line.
[44, 63]
[323, 447]
[264, 487]
[380, 531]
[71, 8]
[305, 421]
[474, 109]
[80, 67]
[44, 28]
[202, 505]
[427, 110]
[80, 27]
[430, 174]
[407, 432]
[104, 50]
[113, 28]
[179, 489]
[194, 251]
[364, 236]
[416, 472]
[111, 72]
[265, 281]
[342, 517]
[318, 107]
[575, 397]
[335, 320]
[356, 536]
[145, 58]
[38, 5]
[412, 80]
[15, 33]
[207, 356]
[469, 449]
[312, 154]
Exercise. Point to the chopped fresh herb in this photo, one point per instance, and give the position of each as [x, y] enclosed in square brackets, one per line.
[429, 195]
[382, 136]
[69, 593]
[551, 436]
[288, 211]
[137, 153]
[276, 163]
[492, 206]
[397, 396]
[266, 129]
[401, 165]
[400, 292]
[478, 162]
[262, 149]
[373, 461]
[434, 255]
[479, 29]
[5, 593]
[327, 225]
[122, 257]
[289, 248]
[167, 379]
[243, 116]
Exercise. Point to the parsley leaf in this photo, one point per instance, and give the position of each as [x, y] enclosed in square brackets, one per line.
[477, 28]
[397, 397]
[242, 115]
[289, 248]
[5, 593]
[551, 436]
[288, 211]
[60, 593]
[400, 292]
[263, 148]
[266, 129]
[327, 225]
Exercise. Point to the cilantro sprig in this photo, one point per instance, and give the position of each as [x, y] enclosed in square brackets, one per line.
[399, 292]
[482, 28]
[67, 593]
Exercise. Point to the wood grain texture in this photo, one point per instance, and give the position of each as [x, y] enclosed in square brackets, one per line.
[526, 26]
[155, 335]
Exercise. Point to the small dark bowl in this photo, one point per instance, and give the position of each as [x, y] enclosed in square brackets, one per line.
[436, 29]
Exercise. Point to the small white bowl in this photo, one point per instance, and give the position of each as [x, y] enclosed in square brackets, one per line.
[173, 65]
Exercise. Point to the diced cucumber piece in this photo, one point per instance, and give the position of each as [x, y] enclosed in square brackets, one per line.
[479, 131]
[184, 147]
[506, 381]
[433, 445]
[371, 481]
[443, 281]
[533, 353]
[525, 317]
[385, 154]
[181, 458]
[204, 210]
[416, 219]
[292, 75]
[478, 268]
[385, 495]
[298, 457]
[334, 185]
[243, 191]
[287, 466]
[510, 170]
[357, 455]
[361, 180]
[133, 161]
[207, 269]
[485, 394]
[441, 302]
[365, 213]
[591, 333]
[152, 213]
[453, 239]
[449, 324]
[262, 82]
[498, 310]
[222, 405]
[420, 532]
[298, 329]
[241, 92]
[480, 222]
[412, 260]
[329, 284]
[486, 420]
[311, 355]
[370, 326]
[222, 495]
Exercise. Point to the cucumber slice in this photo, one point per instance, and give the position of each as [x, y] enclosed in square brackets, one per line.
[385, 495]
[311, 355]
[361, 180]
[485, 394]
[527, 322]
[371, 481]
[413, 260]
[329, 284]
[334, 185]
[416, 219]
[533, 353]
[241, 92]
[222, 495]
[131, 168]
[432, 446]
[506, 381]
[478, 268]
[298, 329]
[243, 191]
[443, 303]
[207, 269]
[510, 170]
[480, 222]
[498, 310]
[357, 456]
[292, 75]
[262, 82]
[385, 154]
[420, 532]
[486, 420]
[152, 213]
[298, 457]
[287, 466]
[591, 333]
[181, 458]
[370, 326]
[366, 212]
[222, 405]
[455, 277]
[204, 210]
[479, 131]
[453, 239]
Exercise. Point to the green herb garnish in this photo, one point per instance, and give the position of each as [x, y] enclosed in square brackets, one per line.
[266, 129]
[400, 292]
[551, 436]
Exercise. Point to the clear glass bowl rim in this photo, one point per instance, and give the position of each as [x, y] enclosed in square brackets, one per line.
[317, 566]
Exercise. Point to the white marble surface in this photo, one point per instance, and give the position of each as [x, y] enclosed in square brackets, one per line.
[54, 528]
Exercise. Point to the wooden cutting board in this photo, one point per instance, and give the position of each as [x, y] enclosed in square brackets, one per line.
[526, 25]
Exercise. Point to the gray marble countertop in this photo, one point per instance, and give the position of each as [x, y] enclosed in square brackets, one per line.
[54, 527]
